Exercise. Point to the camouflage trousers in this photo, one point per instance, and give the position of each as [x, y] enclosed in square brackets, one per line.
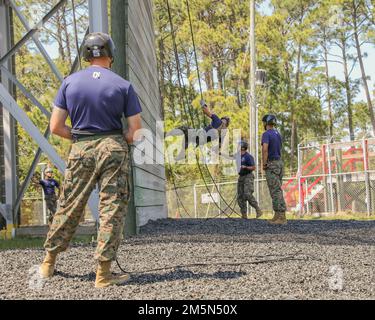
[103, 161]
[245, 190]
[51, 202]
[274, 177]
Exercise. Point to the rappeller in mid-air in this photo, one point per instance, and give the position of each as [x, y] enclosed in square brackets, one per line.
[198, 137]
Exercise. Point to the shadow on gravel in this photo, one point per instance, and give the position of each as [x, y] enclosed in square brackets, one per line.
[148, 278]
[181, 274]
[332, 232]
[85, 277]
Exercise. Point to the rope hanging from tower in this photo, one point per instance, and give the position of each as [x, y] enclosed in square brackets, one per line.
[188, 108]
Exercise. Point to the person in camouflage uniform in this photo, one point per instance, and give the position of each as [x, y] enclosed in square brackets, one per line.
[49, 185]
[95, 99]
[103, 160]
[51, 203]
[274, 167]
[245, 185]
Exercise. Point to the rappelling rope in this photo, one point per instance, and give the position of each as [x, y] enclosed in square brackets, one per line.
[187, 109]
[201, 94]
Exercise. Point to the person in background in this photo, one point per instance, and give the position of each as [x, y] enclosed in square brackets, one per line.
[199, 137]
[50, 185]
[245, 186]
[274, 168]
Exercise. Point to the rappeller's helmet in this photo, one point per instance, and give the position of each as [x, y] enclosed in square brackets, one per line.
[269, 119]
[244, 145]
[98, 45]
[227, 119]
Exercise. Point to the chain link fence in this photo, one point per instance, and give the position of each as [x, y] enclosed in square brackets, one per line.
[219, 199]
[337, 177]
[34, 212]
[332, 178]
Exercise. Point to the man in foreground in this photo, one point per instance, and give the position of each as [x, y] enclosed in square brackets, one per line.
[95, 99]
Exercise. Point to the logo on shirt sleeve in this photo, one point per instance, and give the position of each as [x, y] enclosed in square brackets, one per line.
[96, 75]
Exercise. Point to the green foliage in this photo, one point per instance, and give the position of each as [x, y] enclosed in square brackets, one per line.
[36, 76]
[291, 39]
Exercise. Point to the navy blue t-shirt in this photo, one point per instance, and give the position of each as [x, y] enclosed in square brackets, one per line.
[49, 186]
[215, 123]
[273, 138]
[244, 160]
[96, 98]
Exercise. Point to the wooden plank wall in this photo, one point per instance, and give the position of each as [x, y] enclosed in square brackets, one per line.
[2, 175]
[148, 179]
[133, 33]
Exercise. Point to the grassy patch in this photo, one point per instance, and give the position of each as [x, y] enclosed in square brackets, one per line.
[30, 243]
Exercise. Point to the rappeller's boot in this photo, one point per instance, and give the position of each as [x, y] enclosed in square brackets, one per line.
[279, 219]
[182, 154]
[258, 212]
[104, 277]
[185, 130]
[244, 215]
[47, 268]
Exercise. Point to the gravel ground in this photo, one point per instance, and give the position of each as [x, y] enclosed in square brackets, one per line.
[213, 259]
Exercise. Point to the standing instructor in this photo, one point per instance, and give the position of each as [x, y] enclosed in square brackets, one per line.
[245, 185]
[274, 167]
[95, 99]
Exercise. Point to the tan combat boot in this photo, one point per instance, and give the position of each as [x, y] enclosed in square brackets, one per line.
[259, 213]
[275, 217]
[47, 268]
[104, 277]
[279, 219]
[244, 215]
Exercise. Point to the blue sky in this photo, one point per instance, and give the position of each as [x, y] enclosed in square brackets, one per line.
[336, 69]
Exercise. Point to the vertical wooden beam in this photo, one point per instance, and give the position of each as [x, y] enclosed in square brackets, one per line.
[119, 29]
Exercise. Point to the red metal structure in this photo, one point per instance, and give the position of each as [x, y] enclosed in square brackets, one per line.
[316, 170]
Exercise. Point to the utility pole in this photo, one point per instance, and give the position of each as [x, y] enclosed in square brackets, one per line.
[253, 119]
[253, 102]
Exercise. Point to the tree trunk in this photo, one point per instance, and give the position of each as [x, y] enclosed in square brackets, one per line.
[347, 88]
[328, 84]
[363, 73]
[294, 133]
[67, 39]
[172, 97]
[59, 36]
[220, 77]
[208, 77]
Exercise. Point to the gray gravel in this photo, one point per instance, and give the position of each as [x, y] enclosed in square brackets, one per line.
[213, 259]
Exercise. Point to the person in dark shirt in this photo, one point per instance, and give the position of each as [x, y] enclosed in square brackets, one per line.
[204, 135]
[49, 186]
[274, 168]
[245, 186]
[95, 99]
